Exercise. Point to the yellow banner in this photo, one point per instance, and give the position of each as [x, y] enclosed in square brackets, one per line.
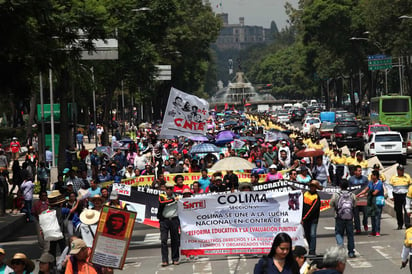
[189, 178]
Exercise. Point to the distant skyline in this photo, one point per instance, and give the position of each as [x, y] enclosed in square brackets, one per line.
[256, 13]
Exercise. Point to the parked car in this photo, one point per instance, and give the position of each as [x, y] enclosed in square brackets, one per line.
[326, 129]
[376, 128]
[348, 135]
[386, 145]
[310, 124]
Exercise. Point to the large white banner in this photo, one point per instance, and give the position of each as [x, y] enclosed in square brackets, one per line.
[239, 223]
[185, 115]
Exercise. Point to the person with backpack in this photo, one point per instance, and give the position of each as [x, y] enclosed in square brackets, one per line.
[344, 203]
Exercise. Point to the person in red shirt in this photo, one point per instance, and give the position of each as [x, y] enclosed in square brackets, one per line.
[179, 187]
[83, 153]
[15, 148]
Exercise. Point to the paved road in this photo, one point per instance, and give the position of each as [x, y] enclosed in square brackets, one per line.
[374, 254]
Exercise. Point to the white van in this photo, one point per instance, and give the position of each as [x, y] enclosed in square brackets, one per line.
[287, 106]
[313, 102]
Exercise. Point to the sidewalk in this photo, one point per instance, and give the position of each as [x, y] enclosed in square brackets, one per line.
[9, 224]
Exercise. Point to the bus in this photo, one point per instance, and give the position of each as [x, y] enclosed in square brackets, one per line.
[392, 110]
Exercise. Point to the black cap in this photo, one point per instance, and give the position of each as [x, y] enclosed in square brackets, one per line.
[299, 251]
[376, 166]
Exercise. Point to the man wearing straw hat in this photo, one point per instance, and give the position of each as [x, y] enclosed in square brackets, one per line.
[4, 268]
[89, 219]
[56, 199]
[21, 264]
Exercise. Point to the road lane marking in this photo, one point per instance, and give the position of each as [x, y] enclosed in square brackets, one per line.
[202, 265]
[232, 262]
[386, 253]
[329, 227]
[359, 261]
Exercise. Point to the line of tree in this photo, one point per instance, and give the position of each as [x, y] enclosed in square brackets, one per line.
[314, 53]
[35, 36]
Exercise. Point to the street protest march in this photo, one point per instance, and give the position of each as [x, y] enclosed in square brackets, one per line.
[145, 201]
[185, 115]
[238, 223]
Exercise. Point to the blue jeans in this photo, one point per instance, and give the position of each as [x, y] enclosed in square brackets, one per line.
[340, 227]
[323, 183]
[27, 210]
[310, 228]
[376, 220]
[356, 217]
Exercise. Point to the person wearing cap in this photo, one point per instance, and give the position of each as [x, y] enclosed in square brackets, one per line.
[360, 160]
[4, 268]
[21, 264]
[310, 214]
[350, 161]
[382, 176]
[78, 262]
[217, 185]
[357, 179]
[299, 254]
[273, 174]
[15, 148]
[400, 184]
[129, 174]
[169, 222]
[338, 158]
[374, 191]
[115, 202]
[46, 263]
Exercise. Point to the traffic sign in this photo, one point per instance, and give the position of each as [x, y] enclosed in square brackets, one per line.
[379, 62]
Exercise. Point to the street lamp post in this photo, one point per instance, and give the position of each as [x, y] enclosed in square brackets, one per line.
[52, 117]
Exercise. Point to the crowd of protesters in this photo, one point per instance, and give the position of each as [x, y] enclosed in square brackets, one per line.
[79, 195]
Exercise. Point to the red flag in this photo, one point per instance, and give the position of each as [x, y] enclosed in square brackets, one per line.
[216, 108]
[226, 106]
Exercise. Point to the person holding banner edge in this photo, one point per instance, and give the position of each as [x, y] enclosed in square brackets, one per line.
[310, 214]
[169, 221]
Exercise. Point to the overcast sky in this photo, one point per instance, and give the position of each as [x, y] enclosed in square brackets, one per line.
[256, 12]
